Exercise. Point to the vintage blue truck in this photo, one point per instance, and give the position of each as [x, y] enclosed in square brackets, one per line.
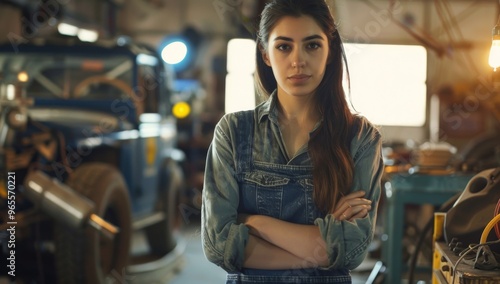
[87, 157]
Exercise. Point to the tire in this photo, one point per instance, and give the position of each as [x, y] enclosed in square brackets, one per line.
[160, 236]
[85, 255]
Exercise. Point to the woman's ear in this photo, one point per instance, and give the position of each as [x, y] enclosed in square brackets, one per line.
[265, 56]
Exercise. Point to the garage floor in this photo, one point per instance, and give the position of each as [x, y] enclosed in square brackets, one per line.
[197, 269]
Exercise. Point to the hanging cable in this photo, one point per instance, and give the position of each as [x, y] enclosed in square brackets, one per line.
[498, 13]
[456, 27]
[464, 253]
[451, 19]
[443, 20]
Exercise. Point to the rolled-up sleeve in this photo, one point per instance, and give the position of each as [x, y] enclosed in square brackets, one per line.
[223, 239]
[347, 242]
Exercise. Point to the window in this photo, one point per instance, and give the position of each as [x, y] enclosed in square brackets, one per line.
[388, 82]
[240, 91]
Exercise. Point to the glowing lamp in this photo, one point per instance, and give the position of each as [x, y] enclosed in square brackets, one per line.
[67, 29]
[23, 76]
[494, 59]
[87, 35]
[181, 50]
[174, 52]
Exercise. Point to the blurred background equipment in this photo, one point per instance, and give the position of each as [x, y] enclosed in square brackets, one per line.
[89, 134]
[466, 248]
[62, 203]
[468, 217]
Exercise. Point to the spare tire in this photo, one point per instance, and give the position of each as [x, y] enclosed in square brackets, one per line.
[86, 255]
[160, 235]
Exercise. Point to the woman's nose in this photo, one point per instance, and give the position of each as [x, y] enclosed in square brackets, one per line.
[298, 59]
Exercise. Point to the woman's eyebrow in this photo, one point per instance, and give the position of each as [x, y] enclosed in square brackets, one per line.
[304, 39]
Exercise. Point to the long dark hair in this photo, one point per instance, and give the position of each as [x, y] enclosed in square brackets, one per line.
[329, 145]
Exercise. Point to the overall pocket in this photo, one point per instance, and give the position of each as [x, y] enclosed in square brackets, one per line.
[262, 193]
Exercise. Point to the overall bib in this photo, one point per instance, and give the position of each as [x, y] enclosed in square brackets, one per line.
[280, 191]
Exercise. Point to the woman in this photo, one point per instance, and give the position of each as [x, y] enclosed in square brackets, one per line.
[291, 188]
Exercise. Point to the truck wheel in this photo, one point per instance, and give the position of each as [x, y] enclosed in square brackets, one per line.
[161, 235]
[85, 255]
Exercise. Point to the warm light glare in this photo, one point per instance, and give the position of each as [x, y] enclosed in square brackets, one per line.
[181, 110]
[67, 29]
[174, 52]
[494, 59]
[22, 76]
[87, 35]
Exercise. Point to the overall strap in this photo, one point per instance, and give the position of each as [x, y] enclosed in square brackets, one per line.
[244, 140]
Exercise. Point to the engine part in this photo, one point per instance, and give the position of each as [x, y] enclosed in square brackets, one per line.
[474, 208]
[63, 204]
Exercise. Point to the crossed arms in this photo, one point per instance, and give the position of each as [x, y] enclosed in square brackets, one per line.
[277, 244]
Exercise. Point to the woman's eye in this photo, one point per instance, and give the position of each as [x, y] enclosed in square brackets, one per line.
[313, 45]
[283, 47]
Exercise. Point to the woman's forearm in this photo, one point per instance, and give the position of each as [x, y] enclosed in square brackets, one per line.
[260, 254]
[303, 241]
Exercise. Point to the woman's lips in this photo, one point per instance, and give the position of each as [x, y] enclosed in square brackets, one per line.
[299, 78]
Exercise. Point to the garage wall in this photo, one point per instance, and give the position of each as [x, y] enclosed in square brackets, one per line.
[10, 25]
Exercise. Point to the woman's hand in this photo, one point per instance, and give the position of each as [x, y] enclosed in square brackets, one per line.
[251, 221]
[352, 206]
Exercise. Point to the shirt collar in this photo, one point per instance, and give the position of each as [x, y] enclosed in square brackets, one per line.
[269, 108]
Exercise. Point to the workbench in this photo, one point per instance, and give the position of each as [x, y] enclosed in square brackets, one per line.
[404, 189]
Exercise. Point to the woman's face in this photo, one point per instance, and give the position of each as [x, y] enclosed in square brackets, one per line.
[297, 51]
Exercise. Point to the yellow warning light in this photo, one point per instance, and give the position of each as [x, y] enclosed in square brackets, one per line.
[181, 110]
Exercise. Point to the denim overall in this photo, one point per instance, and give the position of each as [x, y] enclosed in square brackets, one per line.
[283, 192]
